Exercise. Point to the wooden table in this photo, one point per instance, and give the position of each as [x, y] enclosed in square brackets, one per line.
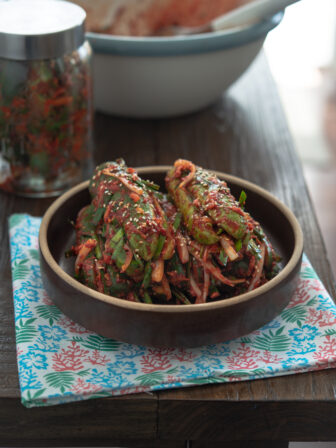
[245, 134]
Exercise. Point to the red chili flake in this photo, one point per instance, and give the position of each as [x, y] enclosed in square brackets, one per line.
[135, 197]
[214, 295]
[18, 103]
[237, 210]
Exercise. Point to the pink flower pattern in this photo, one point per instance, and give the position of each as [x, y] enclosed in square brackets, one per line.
[243, 358]
[82, 387]
[70, 358]
[156, 360]
[323, 318]
[327, 351]
[268, 357]
[72, 326]
[97, 358]
[46, 300]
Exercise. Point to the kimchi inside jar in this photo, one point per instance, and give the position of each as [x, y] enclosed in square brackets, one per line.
[45, 121]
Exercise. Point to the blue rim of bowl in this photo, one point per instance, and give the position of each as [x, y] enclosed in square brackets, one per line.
[180, 45]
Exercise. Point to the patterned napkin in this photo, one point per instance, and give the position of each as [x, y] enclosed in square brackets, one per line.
[59, 361]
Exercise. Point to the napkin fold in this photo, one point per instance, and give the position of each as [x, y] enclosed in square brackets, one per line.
[59, 361]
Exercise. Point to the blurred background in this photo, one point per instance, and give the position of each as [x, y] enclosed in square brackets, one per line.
[302, 55]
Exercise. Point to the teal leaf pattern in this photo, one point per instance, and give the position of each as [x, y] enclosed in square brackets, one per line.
[34, 253]
[96, 342]
[308, 272]
[16, 219]
[37, 394]
[59, 361]
[102, 394]
[150, 378]
[295, 314]
[84, 372]
[207, 380]
[20, 270]
[273, 342]
[245, 340]
[25, 330]
[331, 332]
[49, 312]
[60, 380]
[33, 396]
[242, 373]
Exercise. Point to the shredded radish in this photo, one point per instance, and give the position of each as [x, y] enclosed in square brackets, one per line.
[84, 252]
[158, 270]
[124, 181]
[98, 276]
[107, 213]
[195, 288]
[168, 247]
[251, 266]
[258, 269]
[158, 207]
[206, 284]
[182, 249]
[206, 253]
[166, 287]
[228, 249]
[215, 272]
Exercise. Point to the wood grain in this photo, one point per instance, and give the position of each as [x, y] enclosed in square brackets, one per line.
[245, 134]
[98, 442]
[251, 420]
[82, 423]
[235, 444]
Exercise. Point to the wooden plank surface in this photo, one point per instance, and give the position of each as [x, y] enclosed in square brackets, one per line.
[86, 423]
[235, 444]
[215, 421]
[244, 134]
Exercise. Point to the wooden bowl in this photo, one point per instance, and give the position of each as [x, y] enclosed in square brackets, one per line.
[170, 325]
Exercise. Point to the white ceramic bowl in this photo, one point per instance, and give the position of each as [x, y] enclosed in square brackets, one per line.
[168, 76]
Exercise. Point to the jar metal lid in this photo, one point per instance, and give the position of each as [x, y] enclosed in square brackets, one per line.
[40, 29]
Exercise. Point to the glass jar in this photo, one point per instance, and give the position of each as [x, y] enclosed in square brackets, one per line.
[45, 97]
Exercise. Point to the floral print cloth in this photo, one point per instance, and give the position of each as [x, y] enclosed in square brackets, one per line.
[59, 361]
